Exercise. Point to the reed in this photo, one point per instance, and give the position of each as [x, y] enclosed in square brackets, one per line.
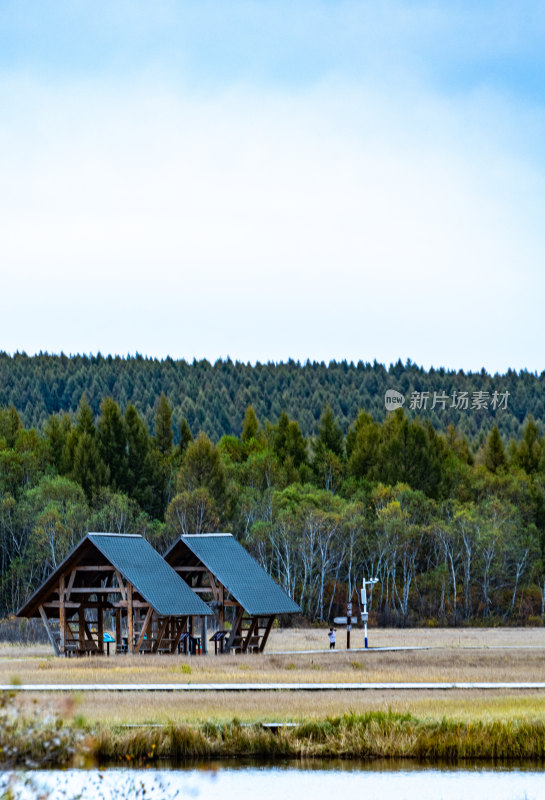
[368, 736]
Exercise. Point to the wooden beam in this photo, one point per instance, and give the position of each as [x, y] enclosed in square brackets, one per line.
[45, 621]
[95, 569]
[117, 628]
[83, 602]
[246, 642]
[180, 630]
[100, 628]
[70, 584]
[190, 569]
[266, 634]
[88, 634]
[144, 628]
[221, 610]
[81, 626]
[160, 635]
[213, 587]
[235, 629]
[62, 616]
[68, 630]
[122, 588]
[130, 621]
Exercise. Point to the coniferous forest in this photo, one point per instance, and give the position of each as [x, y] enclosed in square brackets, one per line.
[441, 499]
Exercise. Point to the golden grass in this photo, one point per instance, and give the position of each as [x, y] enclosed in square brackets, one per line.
[284, 639]
[107, 708]
[438, 664]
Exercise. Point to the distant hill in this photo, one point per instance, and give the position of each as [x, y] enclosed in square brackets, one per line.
[213, 397]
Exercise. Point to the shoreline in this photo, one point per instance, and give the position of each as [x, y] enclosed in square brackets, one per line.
[52, 742]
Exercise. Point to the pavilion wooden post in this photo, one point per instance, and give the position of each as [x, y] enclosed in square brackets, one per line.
[117, 629]
[62, 616]
[266, 634]
[221, 609]
[235, 629]
[100, 628]
[144, 629]
[181, 627]
[130, 621]
[160, 634]
[81, 629]
[253, 623]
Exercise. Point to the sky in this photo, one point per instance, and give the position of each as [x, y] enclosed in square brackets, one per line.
[263, 181]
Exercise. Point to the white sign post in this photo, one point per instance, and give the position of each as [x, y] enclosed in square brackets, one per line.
[365, 615]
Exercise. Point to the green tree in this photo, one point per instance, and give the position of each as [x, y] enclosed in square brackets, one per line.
[495, 459]
[192, 512]
[112, 442]
[411, 453]
[57, 430]
[140, 469]
[163, 426]
[88, 468]
[250, 426]
[10, 424]
[530, 452]
[288, 442]
[186, 437]
[163, 458]
[202, 469]
[362, 446]
[330, 434]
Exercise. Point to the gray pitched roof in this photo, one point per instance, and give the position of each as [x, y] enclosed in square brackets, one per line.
[235, 568]
[139, 563]
[150, 574]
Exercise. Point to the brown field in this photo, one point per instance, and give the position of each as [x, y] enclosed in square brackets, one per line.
[454, 655]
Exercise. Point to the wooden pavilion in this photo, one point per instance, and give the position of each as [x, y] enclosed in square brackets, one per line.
[121, 579]
[226, 576]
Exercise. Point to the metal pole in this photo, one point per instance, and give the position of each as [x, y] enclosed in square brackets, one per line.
[364, 615]
[348, 624]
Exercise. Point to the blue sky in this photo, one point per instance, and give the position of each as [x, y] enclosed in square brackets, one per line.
[272, 180]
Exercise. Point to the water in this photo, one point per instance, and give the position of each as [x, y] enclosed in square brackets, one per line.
[348, 780]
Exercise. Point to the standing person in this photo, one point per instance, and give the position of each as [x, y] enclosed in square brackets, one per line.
[331, 636]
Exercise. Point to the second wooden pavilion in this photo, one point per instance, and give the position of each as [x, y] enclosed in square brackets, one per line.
[226, 576]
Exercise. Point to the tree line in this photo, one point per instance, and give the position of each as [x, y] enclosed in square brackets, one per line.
[453, 529]
[213, 397]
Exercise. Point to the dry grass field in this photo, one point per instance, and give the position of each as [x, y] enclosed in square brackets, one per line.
[453, 655]
[163, 708]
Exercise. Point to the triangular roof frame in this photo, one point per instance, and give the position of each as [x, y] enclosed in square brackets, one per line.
[157, 583]
[241, 575]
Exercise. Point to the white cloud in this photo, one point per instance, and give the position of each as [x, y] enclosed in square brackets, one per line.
[338, 222]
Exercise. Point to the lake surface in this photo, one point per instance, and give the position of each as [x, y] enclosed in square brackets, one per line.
[286, 782]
